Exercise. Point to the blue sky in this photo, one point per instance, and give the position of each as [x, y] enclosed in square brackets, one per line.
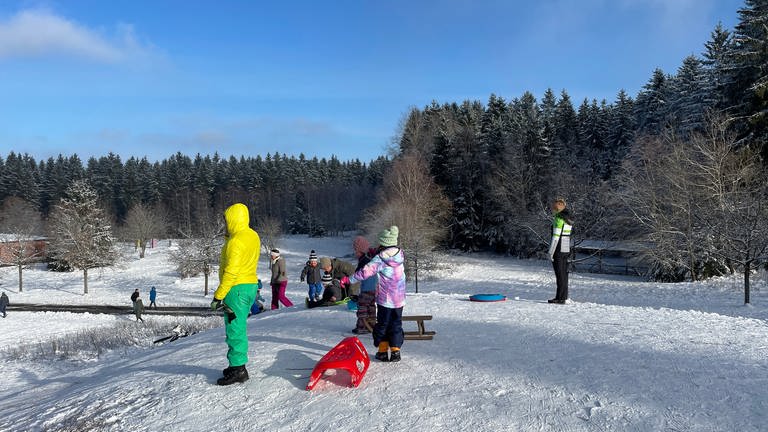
[152, 78]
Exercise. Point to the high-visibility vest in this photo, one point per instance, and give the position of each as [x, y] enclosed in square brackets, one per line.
[561, 232]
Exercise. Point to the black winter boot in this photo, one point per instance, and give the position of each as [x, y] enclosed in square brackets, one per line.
[382, 356]
[394, 356]
[236, 374]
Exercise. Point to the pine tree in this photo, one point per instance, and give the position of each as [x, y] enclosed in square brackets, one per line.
[563, 159]
[688, 97]
[621, 133]
[20, 178]
[650, 107]
[495, 134]
[715, 62]
[105, 175]
[747, 74]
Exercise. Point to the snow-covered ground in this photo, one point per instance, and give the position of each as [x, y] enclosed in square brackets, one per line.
[626, 355]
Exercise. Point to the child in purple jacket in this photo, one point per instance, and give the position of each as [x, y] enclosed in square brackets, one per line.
[388, 264]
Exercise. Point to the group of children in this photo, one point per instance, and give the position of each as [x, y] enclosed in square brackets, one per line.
[376, 284]
[323, 288]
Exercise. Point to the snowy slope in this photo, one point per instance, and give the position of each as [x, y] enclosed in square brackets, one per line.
[628, 355]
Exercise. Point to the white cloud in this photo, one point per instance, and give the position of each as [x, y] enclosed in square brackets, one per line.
[39, 33]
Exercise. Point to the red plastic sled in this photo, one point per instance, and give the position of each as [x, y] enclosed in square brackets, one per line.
[349, 355]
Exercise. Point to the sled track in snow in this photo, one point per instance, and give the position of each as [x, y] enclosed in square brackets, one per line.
[110, 309]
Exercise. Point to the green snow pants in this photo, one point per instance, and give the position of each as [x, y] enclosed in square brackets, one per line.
[240, 299]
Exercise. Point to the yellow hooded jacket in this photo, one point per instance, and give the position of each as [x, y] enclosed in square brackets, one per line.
[240, 253]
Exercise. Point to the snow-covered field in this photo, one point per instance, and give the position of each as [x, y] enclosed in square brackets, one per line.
[626, 355]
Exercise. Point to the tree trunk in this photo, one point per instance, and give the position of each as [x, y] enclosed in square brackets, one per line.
[206, 283]
[416, 271]
[20, 281]
[747, 268]
[692, 258]
[85, 281]
[142, 248]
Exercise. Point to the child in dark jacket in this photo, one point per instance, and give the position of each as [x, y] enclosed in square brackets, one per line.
[366, 300]
[331, 292]
[313, 274]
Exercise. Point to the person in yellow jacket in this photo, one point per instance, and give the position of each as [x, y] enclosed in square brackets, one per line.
[237, 288]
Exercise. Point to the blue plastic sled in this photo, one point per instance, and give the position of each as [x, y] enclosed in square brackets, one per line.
[487, 298]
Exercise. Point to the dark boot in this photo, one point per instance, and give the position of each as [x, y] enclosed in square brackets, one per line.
[382, 356]
[236, 374]
[394, 356]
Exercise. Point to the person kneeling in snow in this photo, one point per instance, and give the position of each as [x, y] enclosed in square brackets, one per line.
[331, 292]
[237, 288]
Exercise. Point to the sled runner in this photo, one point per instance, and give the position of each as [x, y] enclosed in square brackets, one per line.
[178, 332]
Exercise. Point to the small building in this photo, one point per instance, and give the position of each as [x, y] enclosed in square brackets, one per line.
[611, 257]
[34, 247]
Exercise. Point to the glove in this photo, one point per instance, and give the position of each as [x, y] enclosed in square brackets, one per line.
[215, 304]
[229, 312]
[345, 282]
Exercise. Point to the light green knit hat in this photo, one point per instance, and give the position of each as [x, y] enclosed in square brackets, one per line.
[388, 237]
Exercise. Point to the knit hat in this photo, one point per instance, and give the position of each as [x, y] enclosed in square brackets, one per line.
[274, 253]
[360, 245]
[388, 237]
[324, 262]
[327, 278]
[312, 255]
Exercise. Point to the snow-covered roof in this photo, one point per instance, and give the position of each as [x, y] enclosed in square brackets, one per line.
[8, 238]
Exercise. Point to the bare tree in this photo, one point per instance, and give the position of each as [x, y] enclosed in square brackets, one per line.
[81, 234]
[734, 186]
[701, 201]
[269, 230]
[412, 201]
[21, 227]
[199, 252]
[659, 192]
[143, 224]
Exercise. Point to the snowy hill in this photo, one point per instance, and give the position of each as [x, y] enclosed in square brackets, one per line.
[627, 355]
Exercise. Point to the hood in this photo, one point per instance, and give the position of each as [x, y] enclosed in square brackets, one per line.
[392, 255]
[237, 218]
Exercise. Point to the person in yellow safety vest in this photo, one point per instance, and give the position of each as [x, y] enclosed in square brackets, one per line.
[237, 288]
[560, 248]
